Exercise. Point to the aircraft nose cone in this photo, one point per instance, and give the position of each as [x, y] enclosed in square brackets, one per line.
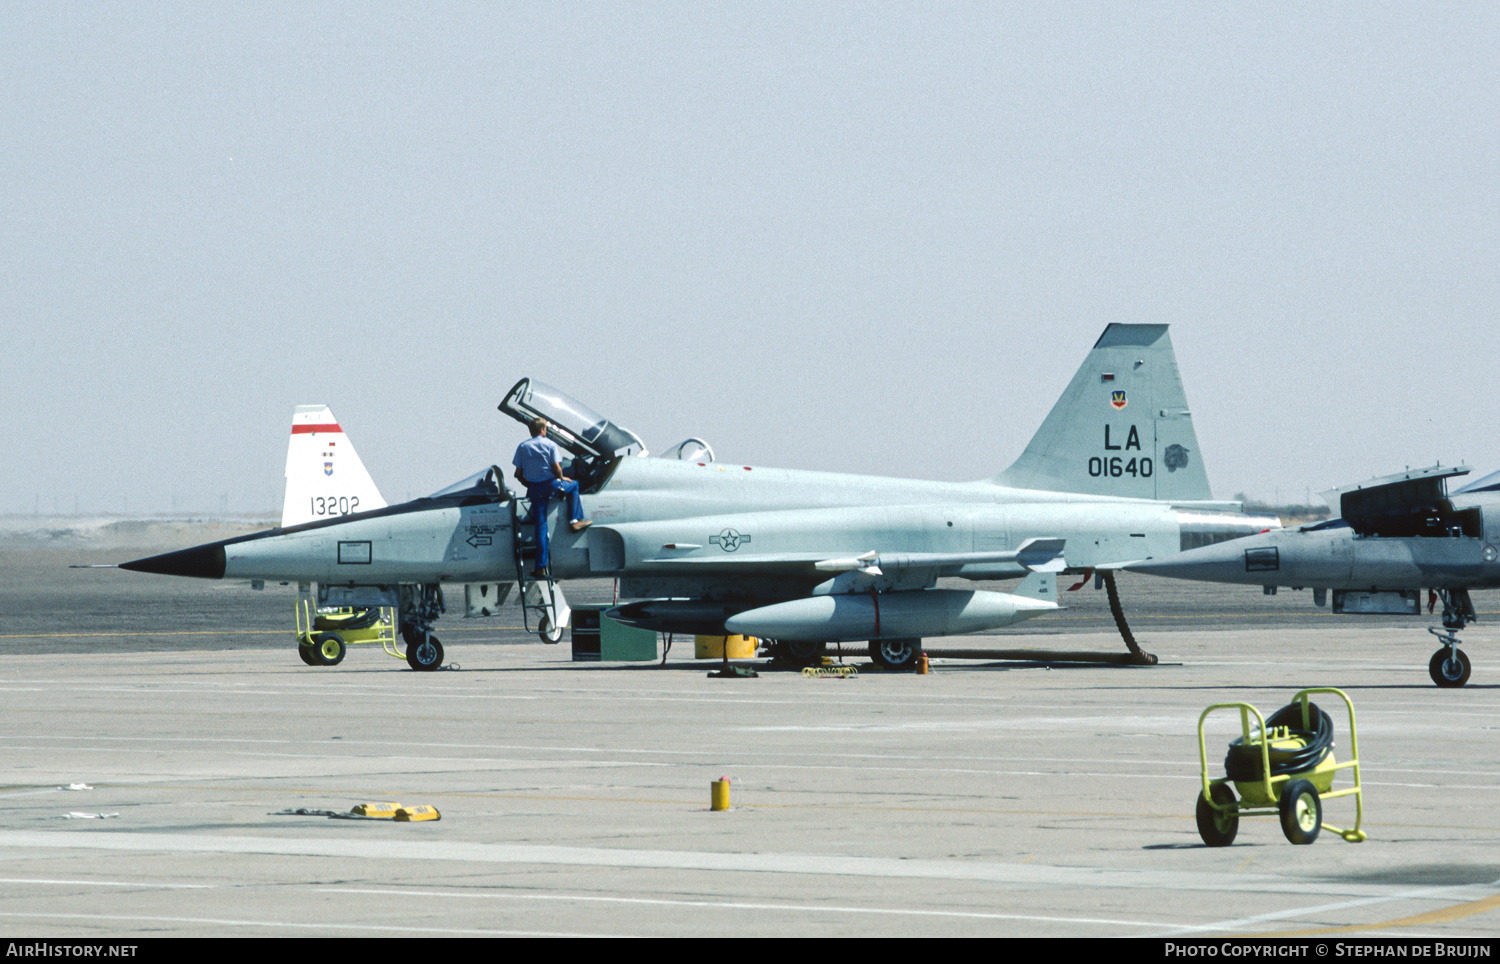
[1221, 563]
[203, 562]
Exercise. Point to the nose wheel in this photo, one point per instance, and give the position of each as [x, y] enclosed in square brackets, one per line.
[423, 651]
[1449, 666]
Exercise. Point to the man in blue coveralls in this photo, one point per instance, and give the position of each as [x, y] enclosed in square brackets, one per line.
[538, 465]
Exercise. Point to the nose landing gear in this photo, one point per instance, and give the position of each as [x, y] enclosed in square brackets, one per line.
[1449, 666]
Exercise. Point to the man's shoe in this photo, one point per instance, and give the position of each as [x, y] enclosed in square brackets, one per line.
[540, 574]
[580, 525]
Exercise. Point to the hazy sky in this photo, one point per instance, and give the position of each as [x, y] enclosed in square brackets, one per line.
[862, 237]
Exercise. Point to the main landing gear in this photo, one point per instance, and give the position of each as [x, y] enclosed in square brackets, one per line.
[896, 654]
[892, 654]
[1449, 666]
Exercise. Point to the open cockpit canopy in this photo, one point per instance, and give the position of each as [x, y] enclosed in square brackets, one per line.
[571, 424]
[1410, 503]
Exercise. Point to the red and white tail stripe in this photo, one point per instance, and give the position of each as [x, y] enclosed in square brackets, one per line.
[324, 476]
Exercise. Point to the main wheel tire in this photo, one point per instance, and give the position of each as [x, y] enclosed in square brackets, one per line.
[427, 654]
[551, 635]
[305, 650]
[329, 649]
[805, 653]
[896, 654]
[1447, 672]
[1218, 827]
[1301, 812]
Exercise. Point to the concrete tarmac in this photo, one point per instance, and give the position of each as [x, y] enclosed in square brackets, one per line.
[985, 798]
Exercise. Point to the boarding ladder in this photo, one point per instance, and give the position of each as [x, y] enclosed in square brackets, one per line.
[541, 599]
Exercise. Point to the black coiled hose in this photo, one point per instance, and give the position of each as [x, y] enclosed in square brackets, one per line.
[360, 619]
[1243, 763]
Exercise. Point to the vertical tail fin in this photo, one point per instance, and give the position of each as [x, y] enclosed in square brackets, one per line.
[1122, 427]
[324, 476]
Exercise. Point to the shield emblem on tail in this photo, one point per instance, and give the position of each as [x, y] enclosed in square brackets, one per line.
[1117, 398]
[327, 468]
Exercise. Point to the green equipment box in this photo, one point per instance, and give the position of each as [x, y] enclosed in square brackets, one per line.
[597, 637]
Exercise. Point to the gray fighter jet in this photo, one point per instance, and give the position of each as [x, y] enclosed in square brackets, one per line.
[1397, 535]
[795, 557]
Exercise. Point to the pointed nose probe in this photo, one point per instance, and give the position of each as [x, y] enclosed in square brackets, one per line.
[1224, 562]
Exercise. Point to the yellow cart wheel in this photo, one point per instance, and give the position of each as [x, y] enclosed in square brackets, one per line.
[1301, 812]
[305, 650]
[329, 649]
[1217, 827]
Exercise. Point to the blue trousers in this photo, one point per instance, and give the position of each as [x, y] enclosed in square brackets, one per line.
[540, 495]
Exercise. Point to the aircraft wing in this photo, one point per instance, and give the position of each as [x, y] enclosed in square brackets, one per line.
[1036, 555]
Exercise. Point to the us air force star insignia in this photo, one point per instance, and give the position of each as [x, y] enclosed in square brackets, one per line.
[728, 540]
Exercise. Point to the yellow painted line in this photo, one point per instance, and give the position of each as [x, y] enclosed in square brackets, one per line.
[455, 630]
[1242, 614]
[1444, 916]
[694, 803]
[205, 632]
[216, 632]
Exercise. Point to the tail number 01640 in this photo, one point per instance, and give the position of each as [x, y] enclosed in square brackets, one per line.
[1116, 466]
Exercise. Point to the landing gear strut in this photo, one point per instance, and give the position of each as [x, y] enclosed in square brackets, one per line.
[1449, 666]
[421, 605]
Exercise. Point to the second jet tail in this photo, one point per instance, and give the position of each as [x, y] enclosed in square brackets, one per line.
[1122, 427]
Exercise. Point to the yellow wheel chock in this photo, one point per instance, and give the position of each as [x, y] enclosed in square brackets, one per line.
[1281, 770]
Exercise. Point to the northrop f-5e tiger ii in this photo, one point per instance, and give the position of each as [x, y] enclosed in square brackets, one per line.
[1395, 536]
[799, 559]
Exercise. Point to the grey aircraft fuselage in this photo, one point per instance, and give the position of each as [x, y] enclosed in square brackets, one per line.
[1114, 474]
[1396, 536]
[711, 512]
[1431, 541]
[1339, 558]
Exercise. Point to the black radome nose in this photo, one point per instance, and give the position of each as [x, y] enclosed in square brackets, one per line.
[202, 562]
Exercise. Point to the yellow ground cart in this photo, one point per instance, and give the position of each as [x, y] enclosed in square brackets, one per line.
[1282, 767]
[323, 635]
